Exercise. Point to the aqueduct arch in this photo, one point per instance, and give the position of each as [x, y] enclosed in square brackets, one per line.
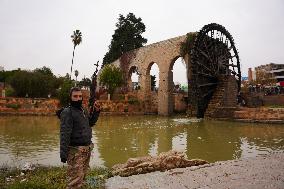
[164, 54]
[213, 70]
[132, 70]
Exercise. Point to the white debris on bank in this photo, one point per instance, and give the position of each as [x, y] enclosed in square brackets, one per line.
[28, 166]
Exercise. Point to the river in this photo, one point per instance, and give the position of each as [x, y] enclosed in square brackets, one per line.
[117, 138]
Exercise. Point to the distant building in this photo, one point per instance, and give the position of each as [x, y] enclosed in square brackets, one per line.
[272, 70]
[1, 68]
[249, 75]
[253, 75]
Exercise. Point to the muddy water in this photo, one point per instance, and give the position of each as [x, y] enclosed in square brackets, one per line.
[117, 138]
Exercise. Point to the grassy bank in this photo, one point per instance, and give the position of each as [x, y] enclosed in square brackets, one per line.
[47, 178]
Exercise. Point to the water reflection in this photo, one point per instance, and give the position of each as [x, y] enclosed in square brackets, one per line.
[32, 138]
[117, 138]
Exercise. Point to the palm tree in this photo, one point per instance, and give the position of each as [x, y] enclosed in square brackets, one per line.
[76, 75]
[76, 39]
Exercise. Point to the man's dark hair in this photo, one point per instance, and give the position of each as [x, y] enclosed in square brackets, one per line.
[73, 89]
[58, 112]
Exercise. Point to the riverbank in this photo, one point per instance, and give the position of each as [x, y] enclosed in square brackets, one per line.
[35, 177]
[132, 106]
[257, 172]
[259, 115]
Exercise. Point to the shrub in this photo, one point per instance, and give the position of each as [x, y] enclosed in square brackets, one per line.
[14, 106]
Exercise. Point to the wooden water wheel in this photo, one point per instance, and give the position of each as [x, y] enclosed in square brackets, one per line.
[213, 55]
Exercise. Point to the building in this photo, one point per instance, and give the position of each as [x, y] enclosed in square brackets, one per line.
[1, 68]
[270, 71]
[251, 75]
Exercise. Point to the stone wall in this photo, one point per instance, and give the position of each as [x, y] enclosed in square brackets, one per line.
[262, 114]
[132, 103]
[180, 105]
[28, 106]
[273, 100]
[121, 107]
[151, 103]
[259, 99]
[224, 100]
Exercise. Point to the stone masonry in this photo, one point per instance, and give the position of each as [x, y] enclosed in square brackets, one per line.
[164, 54]
[223, 102]
[28, 106]
[262, 115]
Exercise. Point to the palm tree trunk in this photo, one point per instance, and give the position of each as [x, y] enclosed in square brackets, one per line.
[72, 62]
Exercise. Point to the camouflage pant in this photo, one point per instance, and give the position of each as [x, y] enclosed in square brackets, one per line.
[78, 164]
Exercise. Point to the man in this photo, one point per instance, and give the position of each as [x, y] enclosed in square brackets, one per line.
[75, 138]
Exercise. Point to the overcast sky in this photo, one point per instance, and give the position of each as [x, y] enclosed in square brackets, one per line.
[36, 33]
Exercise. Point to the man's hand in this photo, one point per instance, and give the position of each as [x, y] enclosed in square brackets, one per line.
[97, 106]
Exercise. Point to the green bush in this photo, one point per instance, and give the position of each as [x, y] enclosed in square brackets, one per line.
[63, 93]
[111, 77]
[133, 101]
[121, 97]
[14, 106]
[9, 91]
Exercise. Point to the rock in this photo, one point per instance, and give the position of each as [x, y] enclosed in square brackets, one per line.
[165, 161]
[28, 167]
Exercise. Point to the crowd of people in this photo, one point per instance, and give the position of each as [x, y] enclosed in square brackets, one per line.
[267, 90]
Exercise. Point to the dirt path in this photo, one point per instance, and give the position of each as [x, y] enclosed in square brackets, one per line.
[258, 172]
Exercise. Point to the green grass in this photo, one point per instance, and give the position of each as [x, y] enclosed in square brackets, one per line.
[48, 178]
[275, 106]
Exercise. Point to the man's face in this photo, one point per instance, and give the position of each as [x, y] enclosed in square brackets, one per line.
[76, 95]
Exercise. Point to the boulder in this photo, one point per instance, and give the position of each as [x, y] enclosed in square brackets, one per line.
[165, 161]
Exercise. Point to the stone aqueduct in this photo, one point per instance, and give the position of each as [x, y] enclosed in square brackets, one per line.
[212, 67]
[164, 54]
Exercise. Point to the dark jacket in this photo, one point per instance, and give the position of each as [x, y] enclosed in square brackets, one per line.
[75, 129]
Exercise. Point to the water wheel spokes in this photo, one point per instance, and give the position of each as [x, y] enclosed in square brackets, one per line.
[213, 55]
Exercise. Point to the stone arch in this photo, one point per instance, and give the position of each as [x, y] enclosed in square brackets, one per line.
[165, 53]
[151, 96]
[148, 70]
[162, 53]
[175, 95]
[132, 69]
